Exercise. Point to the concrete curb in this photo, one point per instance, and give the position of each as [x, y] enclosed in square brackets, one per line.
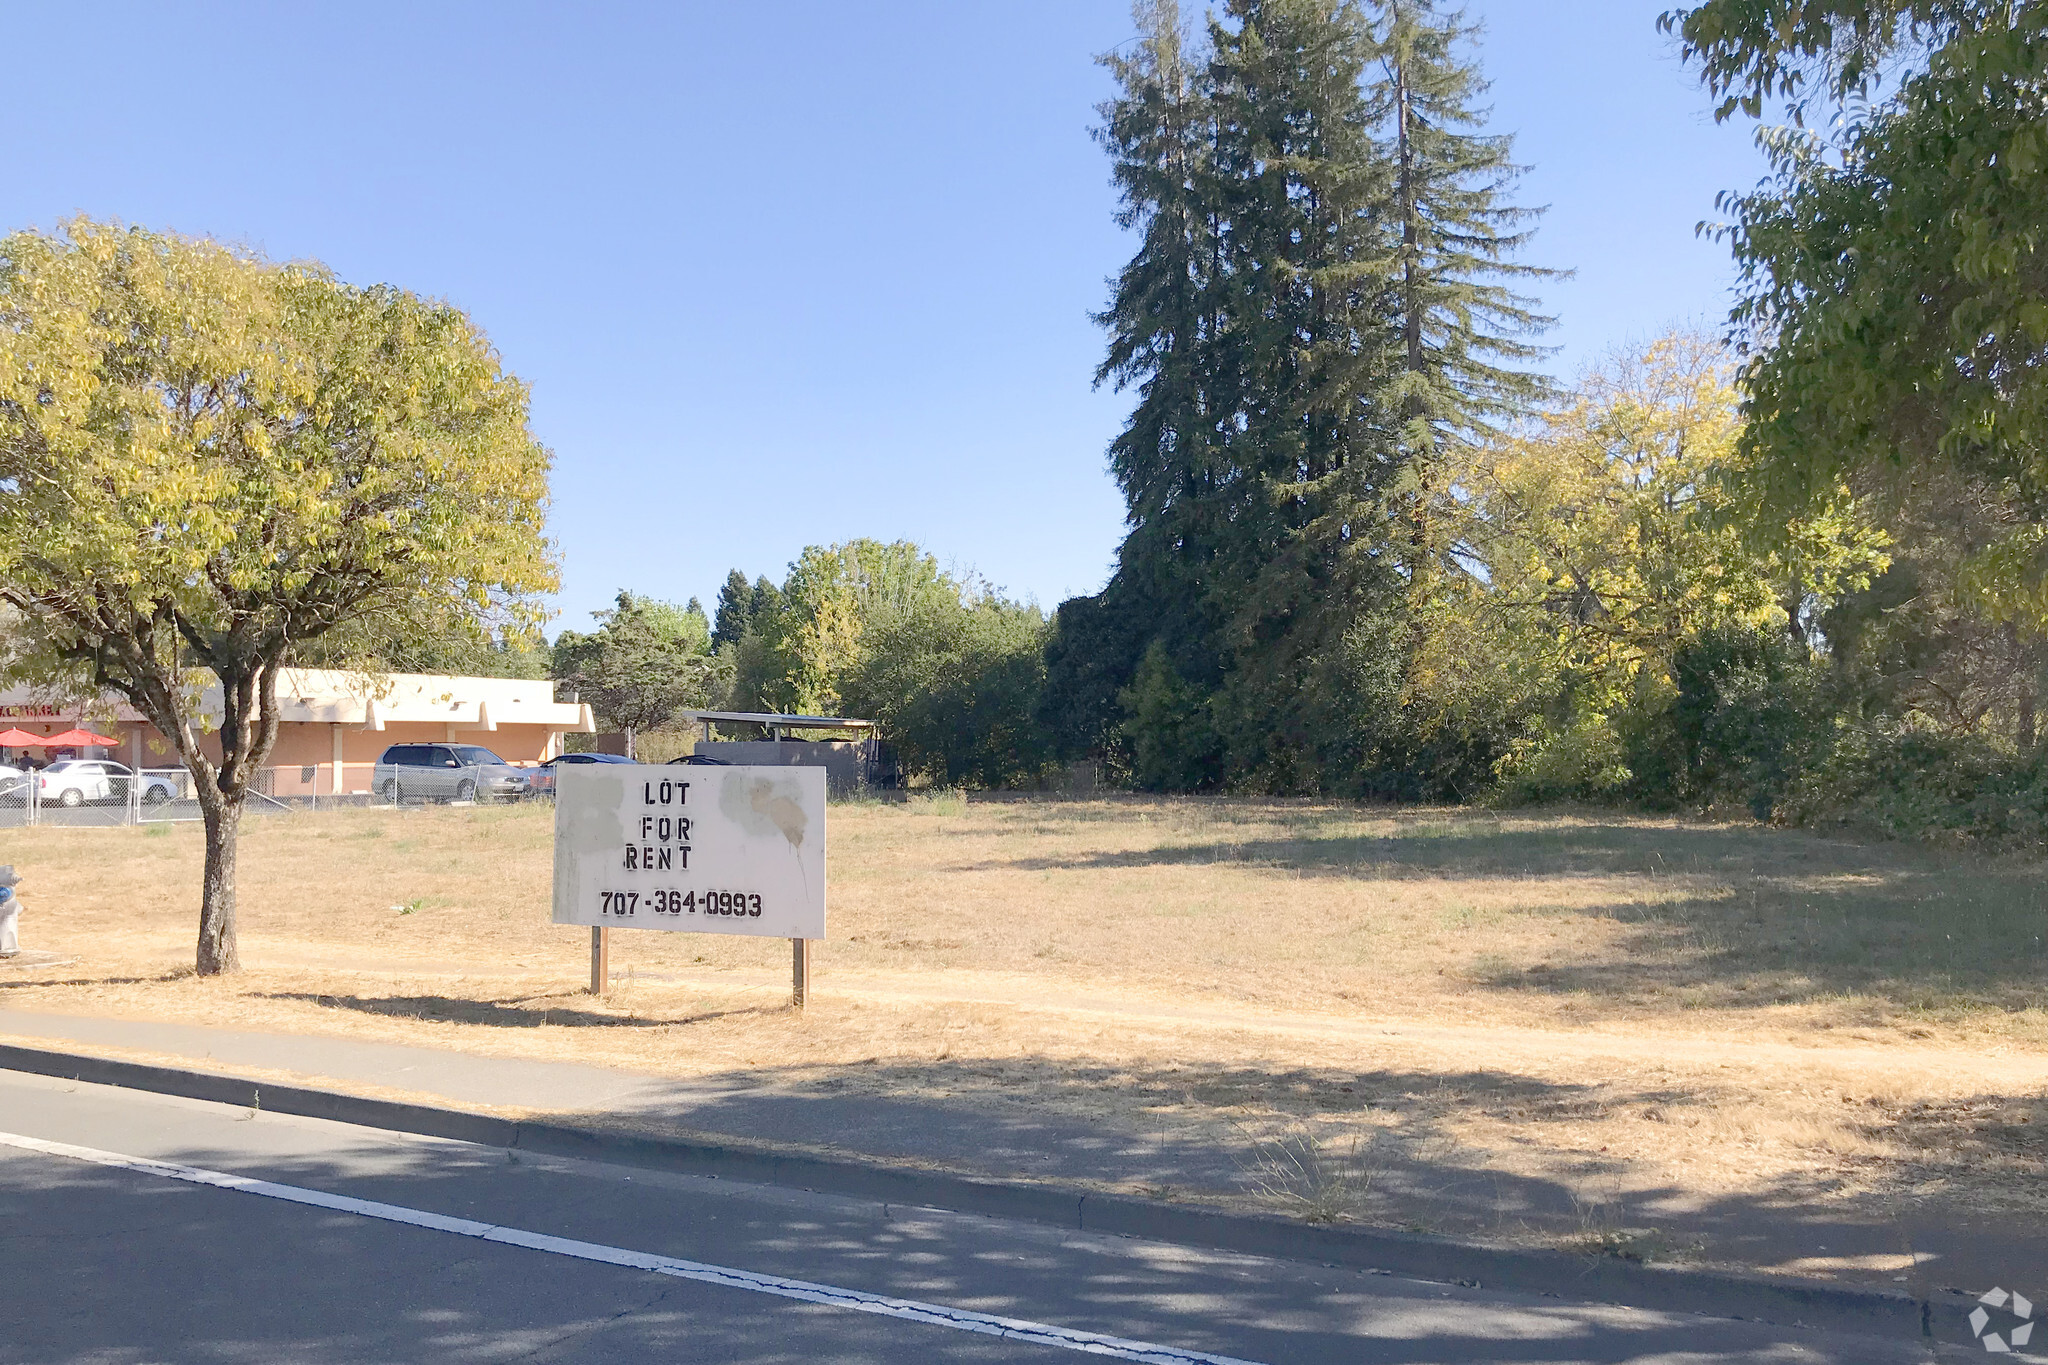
[1808, 1303]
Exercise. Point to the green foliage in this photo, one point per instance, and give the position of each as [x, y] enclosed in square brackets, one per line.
[1917, 641]
[1463, 332]
[209, 462]
[1894, 280]
[954, 672]
[1900, 781]
[956, 685]
[1593, 550]
[1894, 297]
[1315, 307]
[1091, 650]
[809, 632]
[456, 649]
[646, 661]
[1755, 51]
[1751, 709]
[506, 656]
[735, 609]
[1174, 744]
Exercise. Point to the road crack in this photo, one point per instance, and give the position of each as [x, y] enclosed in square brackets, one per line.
[591, 1329]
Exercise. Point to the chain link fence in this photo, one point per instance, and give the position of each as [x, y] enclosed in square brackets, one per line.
[157, 796]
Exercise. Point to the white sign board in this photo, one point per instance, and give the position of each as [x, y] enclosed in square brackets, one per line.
[717, 850]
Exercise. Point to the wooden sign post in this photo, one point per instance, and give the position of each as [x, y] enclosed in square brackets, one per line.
[700, 849]
[799, 973]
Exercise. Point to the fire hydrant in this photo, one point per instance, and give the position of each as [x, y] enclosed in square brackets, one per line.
[10, 913]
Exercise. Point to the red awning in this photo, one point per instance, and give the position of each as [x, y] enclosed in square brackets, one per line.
[75, 739]
[18, 738]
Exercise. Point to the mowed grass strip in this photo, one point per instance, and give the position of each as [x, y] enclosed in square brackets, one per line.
[1582, 1000]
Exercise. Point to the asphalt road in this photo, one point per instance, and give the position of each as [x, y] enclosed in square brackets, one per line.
[100, 1262]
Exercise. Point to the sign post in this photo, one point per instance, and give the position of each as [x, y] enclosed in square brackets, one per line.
[799, 973]
[701, 849]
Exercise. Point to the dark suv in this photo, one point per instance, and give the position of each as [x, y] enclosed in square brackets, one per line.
[446, 772]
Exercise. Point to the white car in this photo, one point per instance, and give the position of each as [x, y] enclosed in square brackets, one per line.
[13, 785]
[76, 781]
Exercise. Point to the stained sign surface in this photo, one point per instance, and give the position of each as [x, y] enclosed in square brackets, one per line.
[710, 849]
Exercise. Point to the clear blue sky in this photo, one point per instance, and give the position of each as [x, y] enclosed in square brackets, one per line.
[784, 274]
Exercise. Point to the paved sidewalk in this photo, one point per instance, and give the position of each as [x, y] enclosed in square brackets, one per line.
[984, 1142]
[1021, 1140]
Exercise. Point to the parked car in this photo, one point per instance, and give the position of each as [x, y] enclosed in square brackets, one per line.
[446, 772]
[544, 775]
[14, 784]
[76, 781]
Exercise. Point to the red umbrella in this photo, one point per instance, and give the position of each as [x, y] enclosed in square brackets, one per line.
[18, 738]
[73, 739]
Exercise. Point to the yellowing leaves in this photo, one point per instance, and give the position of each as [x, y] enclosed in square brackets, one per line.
[198, 446]
[1599, 540]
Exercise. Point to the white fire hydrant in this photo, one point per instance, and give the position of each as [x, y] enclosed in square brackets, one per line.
[10, 913]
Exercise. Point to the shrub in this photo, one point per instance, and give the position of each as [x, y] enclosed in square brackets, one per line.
[957, 687]
[1173, 738]
[1891, 779]
[1749, 711]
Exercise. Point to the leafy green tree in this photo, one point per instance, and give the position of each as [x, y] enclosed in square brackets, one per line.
[1750, 709]
[1916, 646]
[1165, 319]
[1802, 52]
[1089, 647]
[735, 609]
[953, 670]
[1321, 297]
[809, 631]
[1464, 332]
[1894, 280]
[646, 661]
[452, 648]
[209, 462]
[1171, 728]
[956, 685]
[515, 655]
[1599, 544]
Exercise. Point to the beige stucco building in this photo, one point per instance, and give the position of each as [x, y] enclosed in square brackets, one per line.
[334, 724]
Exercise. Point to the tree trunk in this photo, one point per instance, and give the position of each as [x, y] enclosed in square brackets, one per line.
[218, 953]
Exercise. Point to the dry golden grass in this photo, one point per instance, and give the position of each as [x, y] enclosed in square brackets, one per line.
[1612, 1007]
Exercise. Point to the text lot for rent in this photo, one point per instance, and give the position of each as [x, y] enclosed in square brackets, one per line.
[722, 850]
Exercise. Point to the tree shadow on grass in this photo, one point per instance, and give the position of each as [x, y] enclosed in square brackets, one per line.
[1481, 847]
[1731, 916]
[179, 974]
[1930, 940]
[499, 1013]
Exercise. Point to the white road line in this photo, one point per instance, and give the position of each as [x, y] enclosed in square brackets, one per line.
[936, 1315]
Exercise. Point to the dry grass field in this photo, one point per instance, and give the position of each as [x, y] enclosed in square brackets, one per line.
[1594, 1021]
